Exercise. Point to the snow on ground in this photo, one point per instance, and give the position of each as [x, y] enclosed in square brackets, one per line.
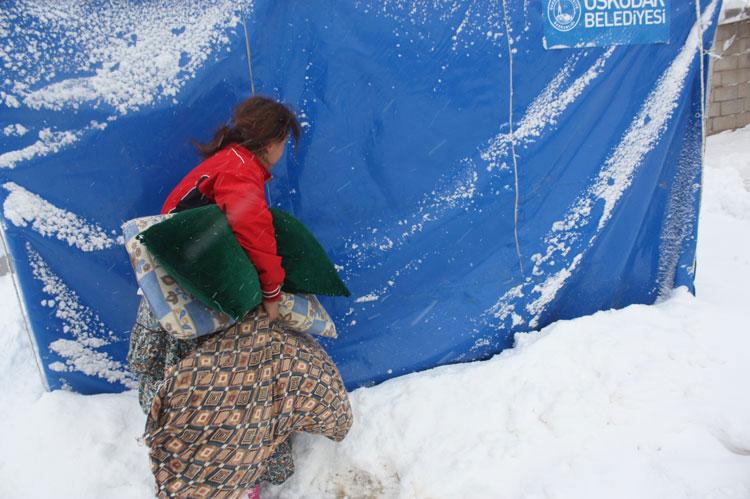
[644, 402]
[733, 11]
[61, 444]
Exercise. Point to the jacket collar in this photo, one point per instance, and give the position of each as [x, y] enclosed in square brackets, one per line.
[248, 158]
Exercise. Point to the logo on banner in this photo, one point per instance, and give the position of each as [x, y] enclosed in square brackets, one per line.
[592, 23]
[564, 14]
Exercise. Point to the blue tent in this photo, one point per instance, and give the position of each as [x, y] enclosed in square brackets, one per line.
[474, 168]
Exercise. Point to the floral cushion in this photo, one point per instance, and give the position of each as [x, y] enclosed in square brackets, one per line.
[178, 312]
[305, 314]
[199, 249]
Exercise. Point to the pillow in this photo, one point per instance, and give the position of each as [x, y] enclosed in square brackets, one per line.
[307, 266]
[305, 314]
[178, 312]
[199, 250]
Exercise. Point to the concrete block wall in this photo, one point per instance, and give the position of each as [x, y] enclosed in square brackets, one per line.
[729, 97]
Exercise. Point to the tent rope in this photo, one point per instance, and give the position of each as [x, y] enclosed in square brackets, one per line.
[701, 56]
[511, 133]
[249, 53]
[247, 49]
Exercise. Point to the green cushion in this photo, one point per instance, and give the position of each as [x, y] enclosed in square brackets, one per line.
[197, 248]
[308, 269]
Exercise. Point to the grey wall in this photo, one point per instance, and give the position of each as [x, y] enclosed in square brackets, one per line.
[729, 98]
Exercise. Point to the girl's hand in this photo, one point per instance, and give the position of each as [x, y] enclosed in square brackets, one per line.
[272, 309]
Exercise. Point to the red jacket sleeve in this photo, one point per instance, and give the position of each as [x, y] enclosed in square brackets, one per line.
[240, 196]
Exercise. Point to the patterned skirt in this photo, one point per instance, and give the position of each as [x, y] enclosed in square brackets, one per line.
[220, 420]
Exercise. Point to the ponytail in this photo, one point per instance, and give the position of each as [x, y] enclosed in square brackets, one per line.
[258, 122]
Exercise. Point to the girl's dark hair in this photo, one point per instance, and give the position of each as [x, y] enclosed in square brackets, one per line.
[257, 122]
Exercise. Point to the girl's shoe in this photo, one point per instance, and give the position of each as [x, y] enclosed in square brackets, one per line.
[254, 493]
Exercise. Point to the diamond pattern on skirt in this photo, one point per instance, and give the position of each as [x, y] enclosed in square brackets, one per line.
[226, 407]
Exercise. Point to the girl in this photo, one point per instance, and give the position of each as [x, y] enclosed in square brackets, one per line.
[237, 164]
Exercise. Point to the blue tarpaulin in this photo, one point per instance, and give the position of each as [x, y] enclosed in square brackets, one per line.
[468, 182]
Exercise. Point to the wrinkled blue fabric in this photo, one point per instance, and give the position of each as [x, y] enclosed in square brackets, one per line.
[459, 213]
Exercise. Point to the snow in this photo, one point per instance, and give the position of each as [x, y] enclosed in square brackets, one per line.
[646, 402]
[576, 410]
[112, 57]
[88, 331]
[367, 298]
[567, 239]
[733, 11]
[735, 4]
[647, 127]
[410, 15]
[22, 208]
[49, 142]
[643, 402]
[128, 54]
[367, 246]
[61, 444]
[579, 410]
[546, 108]
[16, 129]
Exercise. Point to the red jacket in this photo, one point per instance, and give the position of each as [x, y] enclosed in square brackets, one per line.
[234, 179]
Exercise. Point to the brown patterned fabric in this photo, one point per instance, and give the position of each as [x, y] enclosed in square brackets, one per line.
[226, 408]
[153, 351]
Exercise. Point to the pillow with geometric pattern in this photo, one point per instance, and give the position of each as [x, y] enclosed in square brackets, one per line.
[305, 314]
[179, 313]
